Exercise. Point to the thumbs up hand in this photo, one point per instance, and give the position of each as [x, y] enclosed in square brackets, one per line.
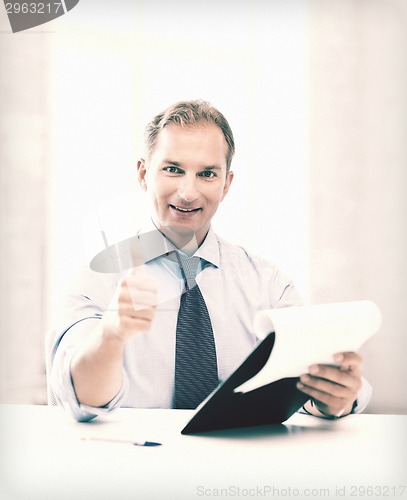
[134, 305]
[97, 367]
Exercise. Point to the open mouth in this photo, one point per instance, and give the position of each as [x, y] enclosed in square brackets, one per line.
[184, 210]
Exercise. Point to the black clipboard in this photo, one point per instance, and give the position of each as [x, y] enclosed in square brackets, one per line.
[271, 404]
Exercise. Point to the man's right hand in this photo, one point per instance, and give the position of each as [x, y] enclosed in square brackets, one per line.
[97, 368]
[136, 302]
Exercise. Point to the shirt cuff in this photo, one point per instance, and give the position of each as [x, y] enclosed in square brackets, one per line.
[64, 392]
[363, 399]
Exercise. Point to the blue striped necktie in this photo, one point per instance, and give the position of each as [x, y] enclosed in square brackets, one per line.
[196, 372]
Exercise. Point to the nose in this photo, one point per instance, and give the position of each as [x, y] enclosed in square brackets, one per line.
[188, 189]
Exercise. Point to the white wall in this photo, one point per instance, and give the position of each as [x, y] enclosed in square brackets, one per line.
[314, 91]
[108, 79]
[358, 174]
[23, 191]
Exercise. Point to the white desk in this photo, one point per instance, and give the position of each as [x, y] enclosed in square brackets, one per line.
[44, 457]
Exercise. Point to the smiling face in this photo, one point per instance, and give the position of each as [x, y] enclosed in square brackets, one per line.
[186, 178]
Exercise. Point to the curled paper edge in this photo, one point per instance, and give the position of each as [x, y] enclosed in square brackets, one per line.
[307, 335]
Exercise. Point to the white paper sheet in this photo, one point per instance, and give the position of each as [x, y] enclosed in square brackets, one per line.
[308, 335]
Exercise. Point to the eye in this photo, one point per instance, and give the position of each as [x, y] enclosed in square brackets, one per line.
[172, 170]
[208, 174]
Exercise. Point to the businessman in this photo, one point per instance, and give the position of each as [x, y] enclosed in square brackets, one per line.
[165, 334]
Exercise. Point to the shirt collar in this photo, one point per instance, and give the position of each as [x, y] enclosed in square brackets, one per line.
[209, 249]
[149, 244]
[155, 244]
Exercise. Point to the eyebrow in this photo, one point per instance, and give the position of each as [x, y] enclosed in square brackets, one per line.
[174, 163]
[213, 167]
[177, 164]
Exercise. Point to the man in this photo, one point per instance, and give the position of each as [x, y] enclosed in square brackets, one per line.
[120, 339]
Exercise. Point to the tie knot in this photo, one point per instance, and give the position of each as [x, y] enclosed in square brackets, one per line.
[189, 267]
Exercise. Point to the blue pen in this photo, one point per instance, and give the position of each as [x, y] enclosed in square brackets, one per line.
[134, 443]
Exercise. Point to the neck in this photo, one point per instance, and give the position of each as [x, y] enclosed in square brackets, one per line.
[185, 242]
[188, 248]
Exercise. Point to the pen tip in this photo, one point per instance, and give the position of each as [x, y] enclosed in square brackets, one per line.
[151, 443]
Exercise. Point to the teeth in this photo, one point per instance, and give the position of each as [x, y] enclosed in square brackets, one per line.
[185, 209]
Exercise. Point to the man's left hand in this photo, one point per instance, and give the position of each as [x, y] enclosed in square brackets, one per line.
[333, 389]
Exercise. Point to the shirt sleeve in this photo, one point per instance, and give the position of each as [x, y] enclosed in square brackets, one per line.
[61, 383]
[282, 291]
[79, 313]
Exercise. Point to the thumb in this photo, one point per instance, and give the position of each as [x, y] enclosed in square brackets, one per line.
[129, 254]
[136, 254]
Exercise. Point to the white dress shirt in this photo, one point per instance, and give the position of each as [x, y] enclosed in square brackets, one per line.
[234, 284]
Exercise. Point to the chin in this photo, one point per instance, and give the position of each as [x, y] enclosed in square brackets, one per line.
[181, 231]
[181, 236]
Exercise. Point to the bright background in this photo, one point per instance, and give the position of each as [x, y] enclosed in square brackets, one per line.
[315, 94]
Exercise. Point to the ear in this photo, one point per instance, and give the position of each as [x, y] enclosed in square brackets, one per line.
[228, 182]
[141, 174]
